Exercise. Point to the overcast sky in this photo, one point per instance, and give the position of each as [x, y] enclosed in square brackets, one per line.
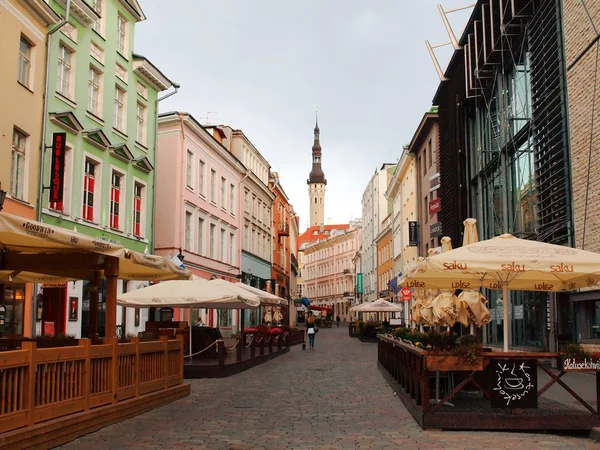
[265, 66]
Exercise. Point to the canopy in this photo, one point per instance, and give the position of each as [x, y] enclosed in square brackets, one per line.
[380, 305]
[75, 251]
[506, 262]
[266, 298]
[320, 308]
[197, 293]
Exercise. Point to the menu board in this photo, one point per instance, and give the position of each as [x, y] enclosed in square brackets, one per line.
[513, 383]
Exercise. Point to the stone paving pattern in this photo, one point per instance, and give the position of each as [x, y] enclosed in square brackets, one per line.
[332, 397]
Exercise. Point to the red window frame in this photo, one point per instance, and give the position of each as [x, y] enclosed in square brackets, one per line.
[137, 209]
[89, 182]
[115, 196]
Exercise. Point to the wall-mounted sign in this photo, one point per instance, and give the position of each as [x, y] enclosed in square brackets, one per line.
[435, 206]
[435, 230]
[413, 234]
[359, 283]
[434, 182]
[513, 383]
[406, 294]
[57, 167]
[581, 364]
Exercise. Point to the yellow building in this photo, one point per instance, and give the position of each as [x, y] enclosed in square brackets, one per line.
[385, 259]
[23, 33]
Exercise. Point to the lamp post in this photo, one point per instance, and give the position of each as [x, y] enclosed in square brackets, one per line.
[2, 196]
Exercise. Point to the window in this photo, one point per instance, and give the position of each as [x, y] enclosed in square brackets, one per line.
[140, 119]
[246, 205]
[115, 200]
[97, 6]
[188, 231]
[213, 180]
[17, 175]
[119, 108]
[201, 178]
[430, 152]
[94, 92]
[222, 253]
[189, 169]
[138, 190]
[223, 193]
[231, 247]
[200, 236]
[89, 180]
[426, 210]
[225, 317]
[212, 241]
[65, 61]
[121, 34]
[24, 62]
[232, 199]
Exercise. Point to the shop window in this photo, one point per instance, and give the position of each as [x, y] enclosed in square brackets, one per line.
[11, 309]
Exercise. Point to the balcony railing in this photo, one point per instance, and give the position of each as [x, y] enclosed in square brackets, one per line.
[284, 229]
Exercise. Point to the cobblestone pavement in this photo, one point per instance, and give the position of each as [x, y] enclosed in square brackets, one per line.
[329, 398]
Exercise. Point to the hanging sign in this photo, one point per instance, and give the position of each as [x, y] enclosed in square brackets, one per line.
[359, 283]
[435, 206]
[435, 230]
[406, 294]
[413, 235]
[57, 167]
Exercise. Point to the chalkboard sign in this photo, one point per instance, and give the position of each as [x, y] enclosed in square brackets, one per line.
[513, 383]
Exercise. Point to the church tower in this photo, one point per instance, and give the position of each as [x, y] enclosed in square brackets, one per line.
[316, 184]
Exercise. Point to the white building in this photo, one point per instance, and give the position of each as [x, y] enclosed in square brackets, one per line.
[374, 208]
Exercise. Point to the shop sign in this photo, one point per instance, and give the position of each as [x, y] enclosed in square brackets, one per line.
[359, 283]
[434, 182]
[413, 234]
[435, 206]
[406, 294]
[57, 167]
[581, 364]
[436, 229]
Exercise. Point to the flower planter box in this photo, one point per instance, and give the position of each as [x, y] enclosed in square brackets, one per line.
[450, 363]
[53, 343]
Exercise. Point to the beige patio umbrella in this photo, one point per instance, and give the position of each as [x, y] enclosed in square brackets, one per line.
[380, 305]
[266, 298]
[506, 262]
[471, 300]
[445, 304]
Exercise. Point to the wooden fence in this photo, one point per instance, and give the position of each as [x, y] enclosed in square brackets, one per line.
[43, 384]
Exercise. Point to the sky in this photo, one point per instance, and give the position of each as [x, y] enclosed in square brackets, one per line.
[266, 66]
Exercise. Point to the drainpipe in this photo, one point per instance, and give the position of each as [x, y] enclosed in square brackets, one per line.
[158, 99]
[40, 197]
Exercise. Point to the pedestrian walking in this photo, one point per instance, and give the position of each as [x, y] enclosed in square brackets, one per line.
[311, 330]
[337, 320]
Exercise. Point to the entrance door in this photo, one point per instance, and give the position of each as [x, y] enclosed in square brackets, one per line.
[55, 308]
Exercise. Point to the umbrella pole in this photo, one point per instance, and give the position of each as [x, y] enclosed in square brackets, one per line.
[505, 312]
[190, 333]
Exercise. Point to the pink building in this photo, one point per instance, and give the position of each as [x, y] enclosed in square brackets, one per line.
[198, 210]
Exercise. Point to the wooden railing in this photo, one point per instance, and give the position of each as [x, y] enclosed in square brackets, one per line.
[42, 384]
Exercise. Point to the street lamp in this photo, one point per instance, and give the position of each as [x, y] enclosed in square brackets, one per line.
[2, 196]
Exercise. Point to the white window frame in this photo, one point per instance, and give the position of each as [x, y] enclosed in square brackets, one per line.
[189, 227]
[95, 86]
[144, 210]
[201, 170]
[231, 246]
[140, 123]
[200, 235]
[122, 34]
[66, 69]
[223, 193]
[211, 240]
[189, 169]
[120, 105]
[97, 203]
[25, 63]
[19, 153]
[122, 196]
[232, 199]
[213, 181]
[222, 238]
[98, 25]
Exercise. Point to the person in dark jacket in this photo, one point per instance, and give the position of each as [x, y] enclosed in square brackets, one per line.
[337, 321]
[311, 330]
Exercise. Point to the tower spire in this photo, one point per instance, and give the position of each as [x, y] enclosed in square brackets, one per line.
[316, 181]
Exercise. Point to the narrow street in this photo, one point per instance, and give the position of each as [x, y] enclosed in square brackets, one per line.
[332, 397]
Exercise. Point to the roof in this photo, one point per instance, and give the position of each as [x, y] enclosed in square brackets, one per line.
[309, 236]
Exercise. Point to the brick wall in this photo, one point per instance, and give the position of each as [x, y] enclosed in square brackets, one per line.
[579, 33]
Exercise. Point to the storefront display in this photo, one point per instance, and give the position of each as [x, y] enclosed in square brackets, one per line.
[11, 309]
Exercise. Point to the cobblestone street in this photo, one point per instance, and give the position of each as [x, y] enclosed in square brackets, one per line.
[329, 398]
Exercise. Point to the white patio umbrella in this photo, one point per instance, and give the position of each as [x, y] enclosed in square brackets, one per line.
[378, 306]
[198, 293]
[266, 298]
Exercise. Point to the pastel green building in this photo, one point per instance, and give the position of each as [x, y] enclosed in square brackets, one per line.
[105, 98]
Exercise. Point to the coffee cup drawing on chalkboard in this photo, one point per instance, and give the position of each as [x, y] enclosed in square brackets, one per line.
[514, 382]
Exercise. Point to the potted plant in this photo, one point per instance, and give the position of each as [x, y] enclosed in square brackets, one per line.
[58, 340]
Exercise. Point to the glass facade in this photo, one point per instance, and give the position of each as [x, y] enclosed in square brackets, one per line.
[503, 191]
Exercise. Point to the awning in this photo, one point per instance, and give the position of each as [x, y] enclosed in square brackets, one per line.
[34, 252]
